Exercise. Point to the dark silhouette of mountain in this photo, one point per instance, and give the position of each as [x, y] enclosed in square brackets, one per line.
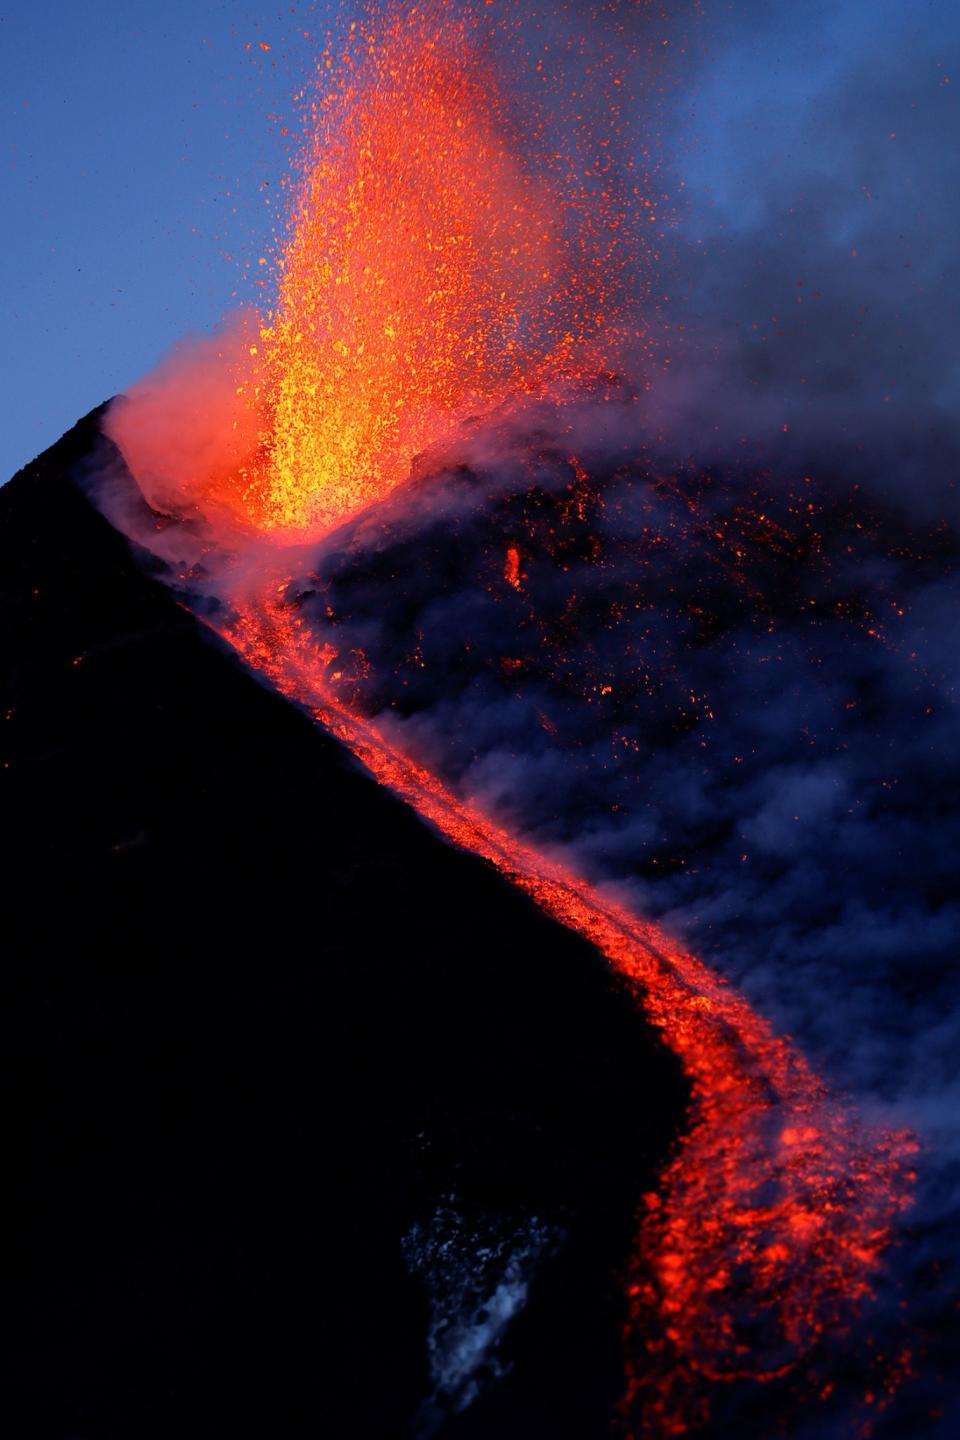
[258, 1024]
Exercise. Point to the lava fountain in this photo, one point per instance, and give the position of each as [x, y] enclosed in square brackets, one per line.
[430, 272]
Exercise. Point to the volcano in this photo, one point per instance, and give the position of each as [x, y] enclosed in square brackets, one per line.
[312, 1121]
[481, 802]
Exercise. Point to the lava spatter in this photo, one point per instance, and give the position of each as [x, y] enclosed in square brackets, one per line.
[429, 271]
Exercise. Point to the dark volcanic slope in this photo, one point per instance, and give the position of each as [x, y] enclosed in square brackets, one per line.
[257, 1021]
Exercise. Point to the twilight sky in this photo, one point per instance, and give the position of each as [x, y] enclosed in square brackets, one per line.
[136, 138]
[138, 141]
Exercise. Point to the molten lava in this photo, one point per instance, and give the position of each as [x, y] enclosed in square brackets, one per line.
[776, 1207]
[429, 272]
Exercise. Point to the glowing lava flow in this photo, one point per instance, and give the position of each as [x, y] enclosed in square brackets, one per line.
[777, 1205]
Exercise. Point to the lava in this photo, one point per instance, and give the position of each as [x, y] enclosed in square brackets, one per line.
[441, 256]
[430, 272]
[776, 1208]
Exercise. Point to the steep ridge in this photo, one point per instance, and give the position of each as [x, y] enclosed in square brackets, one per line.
[260, 1027]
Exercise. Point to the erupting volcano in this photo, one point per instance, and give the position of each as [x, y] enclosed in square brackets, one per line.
[418, 499]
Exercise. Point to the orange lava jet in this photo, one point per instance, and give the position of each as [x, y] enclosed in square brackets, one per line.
[428, 273]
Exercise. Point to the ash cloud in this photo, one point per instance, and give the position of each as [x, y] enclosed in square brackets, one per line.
[814, 257]
[796, 289]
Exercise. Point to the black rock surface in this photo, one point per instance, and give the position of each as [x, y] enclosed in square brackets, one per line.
[258, 1024]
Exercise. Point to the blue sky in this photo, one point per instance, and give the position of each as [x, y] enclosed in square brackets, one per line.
[770, 65]
[136, 139]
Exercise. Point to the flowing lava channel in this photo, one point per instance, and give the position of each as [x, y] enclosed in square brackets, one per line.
[777, 1205]
[428, 273]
